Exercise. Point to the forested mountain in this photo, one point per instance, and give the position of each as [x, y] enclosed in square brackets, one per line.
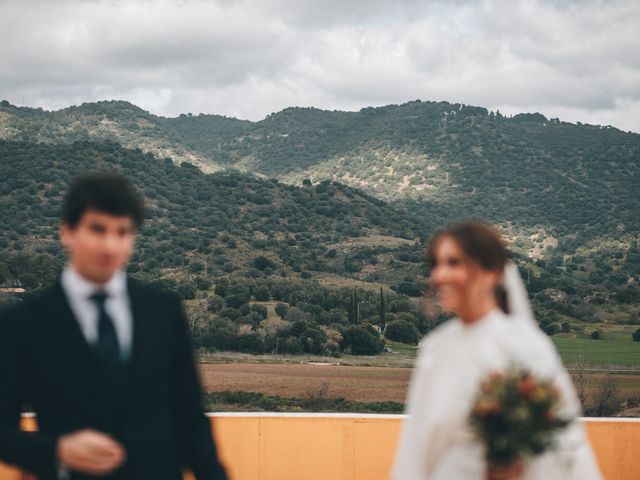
[251, 237]
[465, 161]
[225, 219]
[527, 169]
[377, 183]
[115, 121]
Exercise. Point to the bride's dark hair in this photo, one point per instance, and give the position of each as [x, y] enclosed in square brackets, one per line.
[483, 245]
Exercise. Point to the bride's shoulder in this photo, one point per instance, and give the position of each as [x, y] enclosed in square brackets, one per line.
[528, 340]
[440, 334]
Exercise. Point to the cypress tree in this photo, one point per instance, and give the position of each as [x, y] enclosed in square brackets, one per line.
[350, 311]
[356, 306]
[383, 320]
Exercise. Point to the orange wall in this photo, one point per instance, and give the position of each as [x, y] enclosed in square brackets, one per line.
[361, 447]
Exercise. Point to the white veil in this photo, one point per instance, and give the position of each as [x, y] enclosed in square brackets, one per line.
[517, 297]
[572, 457]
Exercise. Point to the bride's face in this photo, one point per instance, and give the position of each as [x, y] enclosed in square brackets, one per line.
[460, 284]
[450, 275]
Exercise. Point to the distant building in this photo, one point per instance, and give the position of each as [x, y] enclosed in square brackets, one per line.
[12, 290]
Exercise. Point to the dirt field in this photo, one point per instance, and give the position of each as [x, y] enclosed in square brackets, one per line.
[359, 383]
[363, 384]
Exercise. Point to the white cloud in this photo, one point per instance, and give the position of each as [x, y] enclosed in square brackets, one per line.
[575, 60]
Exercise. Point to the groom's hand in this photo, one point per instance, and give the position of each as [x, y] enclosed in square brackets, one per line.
[90, 452]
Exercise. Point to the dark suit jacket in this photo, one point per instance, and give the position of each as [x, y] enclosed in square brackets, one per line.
[46, 363]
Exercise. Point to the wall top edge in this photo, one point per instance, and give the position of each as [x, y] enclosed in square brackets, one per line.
[372, 416]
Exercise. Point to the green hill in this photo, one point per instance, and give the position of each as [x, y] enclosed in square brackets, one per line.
[565, 196]
[225, 220]
[542, 176]
[116, 121]
[526, 170]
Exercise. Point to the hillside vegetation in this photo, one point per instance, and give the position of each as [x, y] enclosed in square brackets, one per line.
[322, 211]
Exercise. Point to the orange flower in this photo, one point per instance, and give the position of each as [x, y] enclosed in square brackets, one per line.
[548, 416]
[488, 408]
[526, 386]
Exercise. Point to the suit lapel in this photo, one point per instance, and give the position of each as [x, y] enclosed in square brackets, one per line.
[141, 345]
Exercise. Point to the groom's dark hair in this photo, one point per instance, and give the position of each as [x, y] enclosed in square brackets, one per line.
[106, 192]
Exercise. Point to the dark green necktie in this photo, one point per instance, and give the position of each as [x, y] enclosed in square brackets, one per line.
[107, 347]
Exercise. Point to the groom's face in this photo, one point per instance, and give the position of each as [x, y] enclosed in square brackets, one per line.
[100, 244]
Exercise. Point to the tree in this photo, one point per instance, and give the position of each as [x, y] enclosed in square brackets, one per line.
[187, 291]
[261, 263]
[361, 341]
[636, 335]
[235, 301]
[294, 314]
[281, 309]
[402, 331]
[382, 312]
[261, 293]
[350, 310]
[215, 303]
[606, 400]
[218, 335]
[249, 343]
[313, 340]
[354, 307]
[596, 335]
[261, 310]
[221, 287]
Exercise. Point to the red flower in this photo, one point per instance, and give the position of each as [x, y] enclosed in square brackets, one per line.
[526, 386]
[548, 416]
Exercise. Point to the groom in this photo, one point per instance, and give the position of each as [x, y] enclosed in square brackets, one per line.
[105, 362]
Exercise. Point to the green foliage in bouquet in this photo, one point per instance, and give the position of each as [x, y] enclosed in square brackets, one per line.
[515, 415]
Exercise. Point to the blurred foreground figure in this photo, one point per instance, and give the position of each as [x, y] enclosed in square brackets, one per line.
[494, 331]
[105, 362]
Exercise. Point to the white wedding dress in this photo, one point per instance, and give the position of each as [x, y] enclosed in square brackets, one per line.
[436, 442]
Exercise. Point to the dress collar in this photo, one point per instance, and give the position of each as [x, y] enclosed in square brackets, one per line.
[483, 321]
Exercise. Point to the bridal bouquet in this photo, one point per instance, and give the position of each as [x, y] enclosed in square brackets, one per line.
[515, 416]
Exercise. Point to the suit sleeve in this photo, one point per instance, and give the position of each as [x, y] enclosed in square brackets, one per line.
[34, 452]
[193, 427]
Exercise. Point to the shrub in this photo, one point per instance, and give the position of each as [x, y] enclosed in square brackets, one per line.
[261, 293]
[218, 335]
[260, 263]
[230, 313]
[249, 343]
[216, 304]
[313, 340]
[361, 341]
[187, 291]
[402, 331]
[235, 301]
[282, 309]
[261, 310]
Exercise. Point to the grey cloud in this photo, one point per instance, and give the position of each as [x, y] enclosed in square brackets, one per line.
[248, 59]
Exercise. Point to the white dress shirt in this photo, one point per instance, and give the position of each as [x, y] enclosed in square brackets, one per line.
[78, 291]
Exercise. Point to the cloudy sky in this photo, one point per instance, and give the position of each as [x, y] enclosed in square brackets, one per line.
[577, 60]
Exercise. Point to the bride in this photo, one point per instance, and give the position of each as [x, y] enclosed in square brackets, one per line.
[494, 329]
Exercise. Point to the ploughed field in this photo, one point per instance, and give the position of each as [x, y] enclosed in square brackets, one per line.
[357, 383]
[362, 384]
